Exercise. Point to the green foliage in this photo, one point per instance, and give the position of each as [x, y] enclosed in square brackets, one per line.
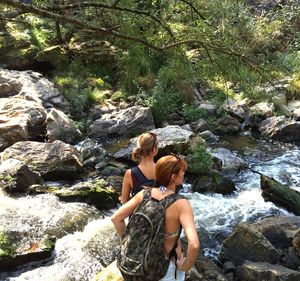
[199, 160]
[194, 113]
[6, 247]
[81, 86]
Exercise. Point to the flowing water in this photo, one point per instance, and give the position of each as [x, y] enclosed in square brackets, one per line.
[77, 225]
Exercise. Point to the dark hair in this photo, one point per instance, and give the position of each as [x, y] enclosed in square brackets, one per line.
[166, 166]
[146, 142]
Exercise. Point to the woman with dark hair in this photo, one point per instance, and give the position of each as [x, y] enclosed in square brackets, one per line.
[143, 174]
[169, 172]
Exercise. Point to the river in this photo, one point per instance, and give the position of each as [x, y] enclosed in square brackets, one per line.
[81, 229]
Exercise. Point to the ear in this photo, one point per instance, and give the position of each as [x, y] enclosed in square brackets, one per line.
[174, 177]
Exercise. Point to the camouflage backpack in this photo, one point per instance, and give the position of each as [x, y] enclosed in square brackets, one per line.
[142, 256]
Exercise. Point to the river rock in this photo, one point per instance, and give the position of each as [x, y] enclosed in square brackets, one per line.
[61, 127]
[94, 192]
[280, 128]
[20, 119]
[280, 194]
[278, 230]
[253, 271]
[33, 86]
[55, 160]
[229, 160]
[246, 243]
[227, 125]
[122, 123]
[294, 109]
[261, 110]
[169, 137]
[18, 176]
[16, 251]
[214, 182]
[234, 108]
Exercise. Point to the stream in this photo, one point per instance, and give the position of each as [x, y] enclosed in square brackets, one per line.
[82, 229]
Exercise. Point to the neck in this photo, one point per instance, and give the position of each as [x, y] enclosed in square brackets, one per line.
[147, 159]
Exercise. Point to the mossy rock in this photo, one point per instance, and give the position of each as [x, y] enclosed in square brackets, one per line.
[95, 193]
[57, 56]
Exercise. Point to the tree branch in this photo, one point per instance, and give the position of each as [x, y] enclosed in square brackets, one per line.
[111, 7]
[83, 25]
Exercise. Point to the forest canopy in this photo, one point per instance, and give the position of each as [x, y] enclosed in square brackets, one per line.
[245, 43]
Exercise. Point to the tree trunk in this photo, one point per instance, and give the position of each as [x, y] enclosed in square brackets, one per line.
[280, 194]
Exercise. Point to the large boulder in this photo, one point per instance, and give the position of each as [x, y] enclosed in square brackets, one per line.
[253, 271]
[20, 119]
[169, 138]
[261, 110]
[123, 123]
[61, 127]
[234, 108]
[280, 128]
[15, 176]
[16, 50]
[278, 230]
[55, 160]
[229, 160]
[246, 243]
[32, 86]
[227, 125]
[56, 56]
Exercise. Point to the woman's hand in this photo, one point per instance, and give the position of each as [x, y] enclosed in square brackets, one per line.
[181, 264]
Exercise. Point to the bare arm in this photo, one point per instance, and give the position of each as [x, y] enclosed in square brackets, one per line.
[187, 221]
[126, 187]
[118, 218]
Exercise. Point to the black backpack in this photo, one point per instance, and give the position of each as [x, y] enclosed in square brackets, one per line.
[142, 245]
[141, 180]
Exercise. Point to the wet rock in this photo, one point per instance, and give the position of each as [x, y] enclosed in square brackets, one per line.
[14, 251]
[169, 137]
[95, 192]
[292, 259]
[61, 127]
[253, 271]
[245, 243]
[55, 160]
[280, 194]
[214, 182]
[15, 176]
[123, 123]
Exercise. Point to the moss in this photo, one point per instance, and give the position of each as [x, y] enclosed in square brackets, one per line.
[6, 246]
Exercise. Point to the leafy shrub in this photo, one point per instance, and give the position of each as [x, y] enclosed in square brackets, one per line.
[194, 113]
[199, 160]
